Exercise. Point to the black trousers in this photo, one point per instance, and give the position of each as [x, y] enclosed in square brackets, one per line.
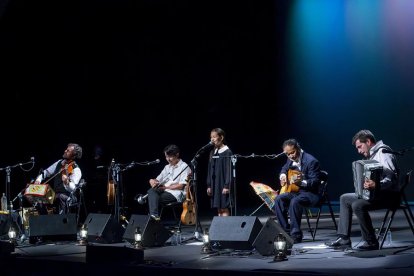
[156, 198]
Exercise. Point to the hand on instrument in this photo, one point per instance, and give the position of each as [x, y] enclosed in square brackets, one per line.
[283, 181]
[154, 182]
[369, 184]
[296, 179]
[65, 179]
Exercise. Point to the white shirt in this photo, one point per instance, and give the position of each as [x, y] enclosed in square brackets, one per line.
[169, 175]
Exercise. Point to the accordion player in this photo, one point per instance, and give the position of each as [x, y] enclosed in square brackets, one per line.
[366, 169]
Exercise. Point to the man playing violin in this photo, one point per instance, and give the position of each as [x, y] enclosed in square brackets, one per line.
[65, 175]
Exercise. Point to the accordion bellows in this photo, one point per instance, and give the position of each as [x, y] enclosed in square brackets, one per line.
[366, 169]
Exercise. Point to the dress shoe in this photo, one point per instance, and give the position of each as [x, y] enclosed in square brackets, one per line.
[369, 245]
[296, 239]
[340, 243]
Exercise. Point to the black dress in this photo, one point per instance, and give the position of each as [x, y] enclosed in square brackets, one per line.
[219, 176]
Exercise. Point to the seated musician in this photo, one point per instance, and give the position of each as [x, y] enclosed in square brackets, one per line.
[299, 190]
[366, 144]
[63, 176]
[169, 185]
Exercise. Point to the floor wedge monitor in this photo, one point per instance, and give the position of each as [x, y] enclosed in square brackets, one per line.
[264, 240]
[53, 227]
[153, 232]
[234, 232]
[103, 228]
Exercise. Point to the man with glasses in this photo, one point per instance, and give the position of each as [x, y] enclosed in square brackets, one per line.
[300, 178]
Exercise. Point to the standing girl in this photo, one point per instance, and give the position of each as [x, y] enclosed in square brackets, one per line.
[219, 174]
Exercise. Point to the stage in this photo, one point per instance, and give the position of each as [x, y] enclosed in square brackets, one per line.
[306, 258]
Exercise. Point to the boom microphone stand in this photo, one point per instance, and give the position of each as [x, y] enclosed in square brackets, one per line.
[234, 160]
[8, 191]
[198, 230]
[115, 171]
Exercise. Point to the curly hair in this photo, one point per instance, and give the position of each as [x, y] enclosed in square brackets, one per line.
[77, 150]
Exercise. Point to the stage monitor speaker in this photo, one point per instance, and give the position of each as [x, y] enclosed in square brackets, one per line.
[234, 232]
[264, 240]
[103, 228]
[153, 232]
[53, 227]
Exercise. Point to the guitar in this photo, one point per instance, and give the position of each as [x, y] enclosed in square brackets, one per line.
[293, 177]
[188, 216]
[110, 193]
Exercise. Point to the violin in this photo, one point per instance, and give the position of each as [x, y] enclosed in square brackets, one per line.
[67, 169]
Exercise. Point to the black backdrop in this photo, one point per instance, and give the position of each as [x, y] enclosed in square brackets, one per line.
[134, 76]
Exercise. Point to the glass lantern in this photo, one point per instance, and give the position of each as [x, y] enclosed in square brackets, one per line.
[280, 247]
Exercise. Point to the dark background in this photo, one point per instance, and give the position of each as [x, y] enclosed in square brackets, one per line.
[134, 76]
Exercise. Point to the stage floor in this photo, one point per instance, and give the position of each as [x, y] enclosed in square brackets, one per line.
[307, 258]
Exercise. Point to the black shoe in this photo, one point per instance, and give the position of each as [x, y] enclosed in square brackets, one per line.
[369, 245]
[340, 243]
[296, 239]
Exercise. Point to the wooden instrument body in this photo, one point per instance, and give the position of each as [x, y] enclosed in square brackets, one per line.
[110, 192]
[189, 215]
[292, 179]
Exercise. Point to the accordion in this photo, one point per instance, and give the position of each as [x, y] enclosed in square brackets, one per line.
[39, 193]
[366, 169]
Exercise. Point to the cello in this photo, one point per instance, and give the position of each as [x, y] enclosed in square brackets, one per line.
[188, 216]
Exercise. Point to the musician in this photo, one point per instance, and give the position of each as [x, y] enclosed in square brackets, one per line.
[64, 175]
[366, 144]
[169, 185]
[219, 174]
[306, 182]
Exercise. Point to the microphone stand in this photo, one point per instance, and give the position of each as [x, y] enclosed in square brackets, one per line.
[234, 160]
[8, 191]
[198, 230]
[400, 152]
[115, 170]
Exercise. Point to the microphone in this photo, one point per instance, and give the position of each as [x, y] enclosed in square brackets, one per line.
[32, 159]
[392, 152]
[206, 146]
[154, 162]
[280, 154]
[112, 163]
[130, 166]
[201, 150]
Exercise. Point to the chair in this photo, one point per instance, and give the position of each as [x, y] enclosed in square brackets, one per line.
[404, 206]
[324, 201]
[173, 207]
[76, 200]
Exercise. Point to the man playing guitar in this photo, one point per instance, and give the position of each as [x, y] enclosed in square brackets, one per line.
[169, 185]
[300, 180]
